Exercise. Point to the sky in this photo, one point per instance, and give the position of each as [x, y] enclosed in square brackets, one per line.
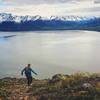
[51, 7]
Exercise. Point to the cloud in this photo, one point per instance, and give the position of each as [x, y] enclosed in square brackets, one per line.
[35, 1]
[41, 1]
[96, 1]
[52, 7]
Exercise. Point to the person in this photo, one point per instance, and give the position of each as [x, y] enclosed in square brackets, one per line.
[28, 73]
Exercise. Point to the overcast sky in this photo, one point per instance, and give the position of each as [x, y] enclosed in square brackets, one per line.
[51, 7]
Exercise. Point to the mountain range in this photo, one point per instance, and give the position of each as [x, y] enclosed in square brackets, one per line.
[9, 22]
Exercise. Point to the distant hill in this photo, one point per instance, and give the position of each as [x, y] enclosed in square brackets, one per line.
[9, 22]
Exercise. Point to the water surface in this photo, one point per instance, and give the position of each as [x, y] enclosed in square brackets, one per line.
[49, 52]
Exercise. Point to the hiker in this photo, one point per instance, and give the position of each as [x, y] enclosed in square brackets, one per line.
[28, 73]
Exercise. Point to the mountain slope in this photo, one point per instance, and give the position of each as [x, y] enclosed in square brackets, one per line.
[9, 22]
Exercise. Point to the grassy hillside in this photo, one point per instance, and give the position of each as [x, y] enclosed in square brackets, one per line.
[79, 86]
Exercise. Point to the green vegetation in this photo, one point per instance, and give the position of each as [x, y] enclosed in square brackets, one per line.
[79, 86]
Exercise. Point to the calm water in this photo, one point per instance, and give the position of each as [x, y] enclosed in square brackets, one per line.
[49, 52]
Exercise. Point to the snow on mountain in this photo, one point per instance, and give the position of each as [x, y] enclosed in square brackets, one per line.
[9, 22]
[18, 19]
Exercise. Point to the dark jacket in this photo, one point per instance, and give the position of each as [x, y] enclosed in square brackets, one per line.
[28, 72]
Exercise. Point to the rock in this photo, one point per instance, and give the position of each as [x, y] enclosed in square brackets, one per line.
[87, 85]
[98, 85]
[20, 98]
[34, 98]
[26, 98]
[57, 77]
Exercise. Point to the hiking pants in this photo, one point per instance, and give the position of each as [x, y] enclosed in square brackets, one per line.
[29, 80]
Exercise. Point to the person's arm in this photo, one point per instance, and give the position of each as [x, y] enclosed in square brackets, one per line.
[34, 72]
[22, 71]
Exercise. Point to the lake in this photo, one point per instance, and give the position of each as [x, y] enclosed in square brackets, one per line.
[49, 52]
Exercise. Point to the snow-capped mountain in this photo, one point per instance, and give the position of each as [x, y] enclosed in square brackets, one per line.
[9, 22]
[10, 17]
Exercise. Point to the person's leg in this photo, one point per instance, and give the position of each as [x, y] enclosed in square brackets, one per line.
[28, 81]
[31, 80]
